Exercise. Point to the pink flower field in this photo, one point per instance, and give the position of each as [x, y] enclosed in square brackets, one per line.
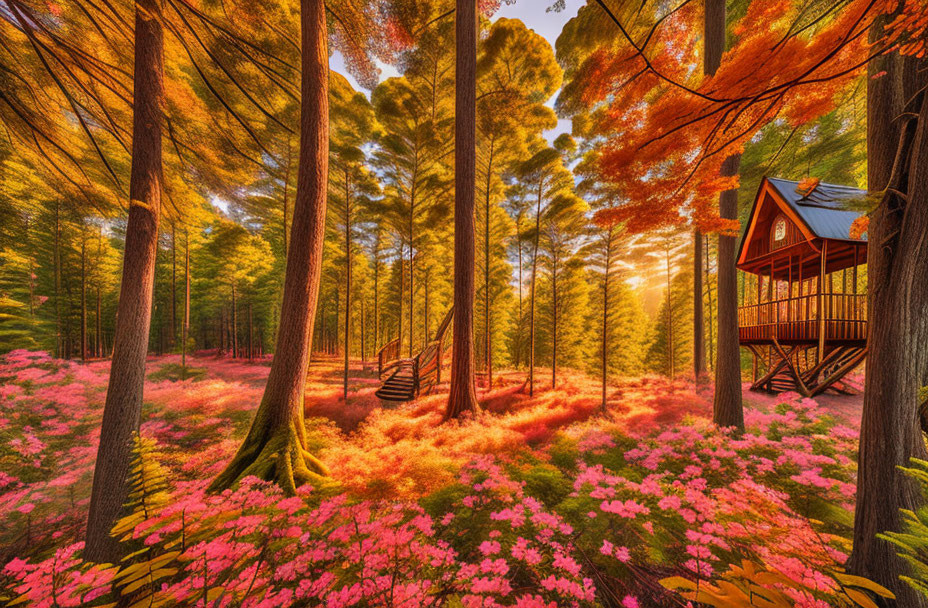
[536, 502]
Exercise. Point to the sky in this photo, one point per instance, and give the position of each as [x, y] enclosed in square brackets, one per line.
[532, 12]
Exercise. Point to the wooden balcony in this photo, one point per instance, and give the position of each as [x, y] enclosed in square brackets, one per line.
[797, 320]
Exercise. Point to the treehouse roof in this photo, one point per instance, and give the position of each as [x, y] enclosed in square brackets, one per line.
[824, 209]
[790, 230]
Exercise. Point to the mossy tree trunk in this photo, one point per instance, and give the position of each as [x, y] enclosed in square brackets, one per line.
[275, 448]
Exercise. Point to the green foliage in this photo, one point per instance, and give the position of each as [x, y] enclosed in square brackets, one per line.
[912, 541]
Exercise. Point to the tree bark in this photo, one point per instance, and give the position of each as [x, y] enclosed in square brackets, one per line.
[606, 277]
[463, 395]
[488, 344]
[709, 316]
[727, 408]
[699, 323]
[671, 371]
[186, 325]
[554, 322]
[347, 281]
[897, 360]
[83, 298]
[234, 325]
[123, 407]
[173, 337]
[531, 297]
[275, 448]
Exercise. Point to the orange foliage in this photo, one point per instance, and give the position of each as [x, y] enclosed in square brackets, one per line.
[806, 185]
[859, 227]
[668, 129]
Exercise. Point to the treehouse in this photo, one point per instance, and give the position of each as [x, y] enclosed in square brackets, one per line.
[804, 317]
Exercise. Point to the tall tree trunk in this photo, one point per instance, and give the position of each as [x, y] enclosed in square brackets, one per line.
[83, 298]
[487, 337]
[377, 341]
[897, 271]
[519, 341]
[57, 262]
[186, 325]
[554, 322]
[347, 281]
[699, 323]
[671, 372]
[173, 337]
[463, 395]
[708, 284]
[234, 325]
[399, 322]
[275, 448]
[286, 199]
[607, 269]
[727, 409]
[251, 332]
[531, 297]
[123, 407]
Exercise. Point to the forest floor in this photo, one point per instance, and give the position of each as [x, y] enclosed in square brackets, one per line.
[794, 467]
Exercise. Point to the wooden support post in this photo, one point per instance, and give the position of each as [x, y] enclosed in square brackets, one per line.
[821, 303]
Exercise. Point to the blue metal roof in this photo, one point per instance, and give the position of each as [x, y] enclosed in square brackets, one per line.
[824, 210]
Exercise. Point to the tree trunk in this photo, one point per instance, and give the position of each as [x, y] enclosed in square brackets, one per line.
[83, 299]
[519, 330]
[463, 395]
[487, 337]
[607, 268]
[671, 372]
[727, 408]
[347, 281]
[186, 326]
[699, 324]
[554, 322]
[173, 337]
[377, 340]
[275, 448]
[57, 262]
[251, 332]
[531, 297]
[122, 411]
[897, 361]
[708, 284]
[234, 325]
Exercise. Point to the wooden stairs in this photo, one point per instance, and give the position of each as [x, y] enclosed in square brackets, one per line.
[404, 379]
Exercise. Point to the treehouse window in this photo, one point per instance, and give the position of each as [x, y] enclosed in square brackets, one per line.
[779, 231]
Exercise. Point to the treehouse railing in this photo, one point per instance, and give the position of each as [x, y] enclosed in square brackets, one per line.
[841, 316]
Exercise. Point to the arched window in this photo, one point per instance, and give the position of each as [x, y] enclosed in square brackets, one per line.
[778, 232]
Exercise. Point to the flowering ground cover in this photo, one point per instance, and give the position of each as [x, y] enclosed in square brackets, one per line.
[542, 501]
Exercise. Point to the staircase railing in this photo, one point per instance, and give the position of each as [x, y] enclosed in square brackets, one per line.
[388, 357]
[426, 366]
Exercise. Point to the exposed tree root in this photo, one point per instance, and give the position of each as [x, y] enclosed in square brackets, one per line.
[274, 454]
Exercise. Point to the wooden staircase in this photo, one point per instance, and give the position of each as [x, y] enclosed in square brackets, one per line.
[404, 379]
[401, 386]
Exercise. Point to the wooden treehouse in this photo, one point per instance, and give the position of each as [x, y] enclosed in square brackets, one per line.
[804, 318]
[404, 379]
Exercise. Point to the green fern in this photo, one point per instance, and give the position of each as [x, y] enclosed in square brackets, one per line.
[912, 542]
[139, 575]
